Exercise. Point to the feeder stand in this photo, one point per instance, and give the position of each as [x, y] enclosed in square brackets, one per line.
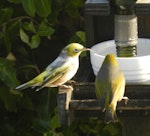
[80, 101]
[126, 33]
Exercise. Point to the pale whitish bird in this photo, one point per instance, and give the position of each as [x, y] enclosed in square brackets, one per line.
[61, 70]
[110, 87]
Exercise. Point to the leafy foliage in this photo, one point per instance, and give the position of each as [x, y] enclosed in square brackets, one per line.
[32, 33]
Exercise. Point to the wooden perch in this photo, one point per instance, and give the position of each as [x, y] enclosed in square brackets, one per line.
[92, 104]
[63, 99]
[80, 101]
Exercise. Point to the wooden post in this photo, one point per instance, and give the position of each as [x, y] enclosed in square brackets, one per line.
[63, 99]
[135, 114]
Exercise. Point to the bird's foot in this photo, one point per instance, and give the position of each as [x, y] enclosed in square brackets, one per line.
[71, 82]
[126, 99]
[65, 88]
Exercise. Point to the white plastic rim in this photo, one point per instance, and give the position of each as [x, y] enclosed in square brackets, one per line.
[135, 69]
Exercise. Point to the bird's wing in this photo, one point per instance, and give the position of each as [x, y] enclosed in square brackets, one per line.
[56, 71]
[100, 93]
[118, 86]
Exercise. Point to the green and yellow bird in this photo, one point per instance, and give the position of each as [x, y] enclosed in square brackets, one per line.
[61, 70]
[110, 87]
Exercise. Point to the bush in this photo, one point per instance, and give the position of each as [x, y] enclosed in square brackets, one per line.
[32, 34]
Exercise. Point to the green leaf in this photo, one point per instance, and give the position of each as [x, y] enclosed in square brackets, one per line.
[72, 7]
[9, 34]
[55, 13]
[7, 41]
[45, 30]
[78, 36]
[12, 30]
[43, 7]
[35, 41]
[8, 73]
[54, 122]
[77, 3]
[13, 27]
[72, 11]
[5, 14]
[81, 35]
[29, 26]
[24, 37]
[29, 7]
[11, 57]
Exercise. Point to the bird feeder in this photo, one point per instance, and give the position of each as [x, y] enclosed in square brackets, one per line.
[103, 23]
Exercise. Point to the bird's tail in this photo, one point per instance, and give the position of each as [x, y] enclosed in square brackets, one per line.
[110, 116]
[24, 86]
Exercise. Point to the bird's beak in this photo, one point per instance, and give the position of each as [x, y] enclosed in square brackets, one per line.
[86, 49]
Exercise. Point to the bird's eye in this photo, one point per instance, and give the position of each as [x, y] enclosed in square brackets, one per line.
[76, 50]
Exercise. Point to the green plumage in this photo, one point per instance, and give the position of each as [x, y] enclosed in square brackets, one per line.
[109, 87]
[62, 69]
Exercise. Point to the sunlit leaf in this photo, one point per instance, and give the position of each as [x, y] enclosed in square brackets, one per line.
[29, 7]
[29, 26]
[24, 37]
[11, 57]
[78, 36]
[81, 35]
[43, 7]
[35, 41]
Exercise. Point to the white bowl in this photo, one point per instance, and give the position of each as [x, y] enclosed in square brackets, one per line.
[136, 69]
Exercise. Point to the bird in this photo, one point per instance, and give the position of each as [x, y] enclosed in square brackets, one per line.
[110, 87]
[61, 70]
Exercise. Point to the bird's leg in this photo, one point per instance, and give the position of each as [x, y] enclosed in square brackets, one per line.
[65, 86]
[126, 99]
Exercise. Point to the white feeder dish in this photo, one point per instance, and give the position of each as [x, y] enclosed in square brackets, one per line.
[136, 69]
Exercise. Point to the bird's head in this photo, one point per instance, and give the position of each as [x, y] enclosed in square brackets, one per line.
[111, 59]
[75, 49]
